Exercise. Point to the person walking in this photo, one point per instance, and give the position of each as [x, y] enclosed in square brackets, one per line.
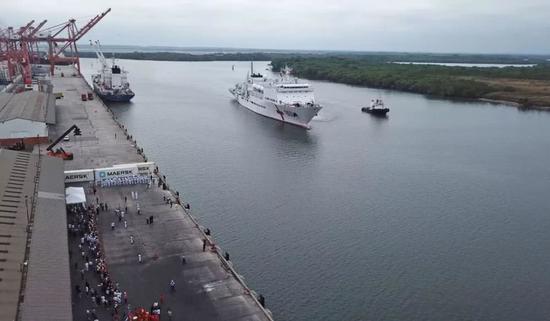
[125, 224]
[78, 290]
[204, 244]
[112, 225]
[139, 258]
[131, 239]
[172, 285]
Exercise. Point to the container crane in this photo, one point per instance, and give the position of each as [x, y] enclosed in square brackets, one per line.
[19, 47]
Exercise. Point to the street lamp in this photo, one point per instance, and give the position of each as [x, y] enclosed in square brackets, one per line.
[27, 207]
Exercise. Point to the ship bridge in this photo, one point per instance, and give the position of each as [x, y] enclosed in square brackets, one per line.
[294, 88]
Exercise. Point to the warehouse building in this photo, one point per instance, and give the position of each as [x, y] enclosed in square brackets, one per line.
[26, 117]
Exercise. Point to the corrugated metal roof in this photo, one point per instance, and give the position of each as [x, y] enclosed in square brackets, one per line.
[29, 105]
[47, 284]
[17, 173]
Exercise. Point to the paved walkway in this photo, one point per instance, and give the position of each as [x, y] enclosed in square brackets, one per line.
[206, 289]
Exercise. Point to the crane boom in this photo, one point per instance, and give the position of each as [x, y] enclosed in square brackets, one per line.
[67, 132]
[99, 54]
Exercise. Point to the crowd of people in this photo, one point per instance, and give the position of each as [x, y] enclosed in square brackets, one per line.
[95, 283]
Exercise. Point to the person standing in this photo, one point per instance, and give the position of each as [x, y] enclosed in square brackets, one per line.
[172, 285]
[125, 224]
[139, 258]
[131, 239]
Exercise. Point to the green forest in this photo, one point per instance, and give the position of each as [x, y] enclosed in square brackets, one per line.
[443, 81]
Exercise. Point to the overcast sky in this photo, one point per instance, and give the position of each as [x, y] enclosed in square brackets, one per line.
[485, 26]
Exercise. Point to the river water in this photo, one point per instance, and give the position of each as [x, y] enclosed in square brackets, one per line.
[440, 212]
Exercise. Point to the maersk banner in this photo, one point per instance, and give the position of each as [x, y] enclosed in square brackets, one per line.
[83, 175]
[102, 174]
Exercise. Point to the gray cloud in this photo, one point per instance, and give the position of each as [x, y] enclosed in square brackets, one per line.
[390, 25]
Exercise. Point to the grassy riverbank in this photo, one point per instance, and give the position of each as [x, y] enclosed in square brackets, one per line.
[526, 86]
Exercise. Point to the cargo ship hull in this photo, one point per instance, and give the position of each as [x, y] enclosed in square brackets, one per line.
[108, 95]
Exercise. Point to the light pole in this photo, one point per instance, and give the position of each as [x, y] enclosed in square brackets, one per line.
[27, 207]
[28, 217]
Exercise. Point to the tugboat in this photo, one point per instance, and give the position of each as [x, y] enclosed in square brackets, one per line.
[111, 83]
[377, 108]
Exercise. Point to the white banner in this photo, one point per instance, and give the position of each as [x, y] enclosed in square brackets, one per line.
[143, 168]
[83, 175]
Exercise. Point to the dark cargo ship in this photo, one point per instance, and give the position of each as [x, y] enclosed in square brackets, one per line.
[111, 83]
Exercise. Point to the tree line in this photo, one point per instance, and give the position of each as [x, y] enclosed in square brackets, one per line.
[444, 81]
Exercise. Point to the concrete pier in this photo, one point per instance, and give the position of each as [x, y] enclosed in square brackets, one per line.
[207, 286]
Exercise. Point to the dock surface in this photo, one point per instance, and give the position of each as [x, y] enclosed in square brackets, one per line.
[207, 287]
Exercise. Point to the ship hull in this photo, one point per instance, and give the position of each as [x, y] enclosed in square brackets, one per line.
[380, 112]
[112, 97]
[298, 116]
[115, 98]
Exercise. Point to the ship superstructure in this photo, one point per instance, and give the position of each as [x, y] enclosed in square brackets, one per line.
[111, 83]
[285, 99]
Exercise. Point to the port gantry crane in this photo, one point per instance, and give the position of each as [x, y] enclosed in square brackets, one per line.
[20, 48]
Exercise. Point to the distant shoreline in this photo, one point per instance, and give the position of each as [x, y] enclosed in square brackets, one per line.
[219, 54]
[522, 87]
[514, 104]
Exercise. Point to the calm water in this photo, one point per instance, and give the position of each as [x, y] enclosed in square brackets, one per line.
[441, 212]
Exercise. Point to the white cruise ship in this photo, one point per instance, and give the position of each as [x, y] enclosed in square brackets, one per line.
[284, 99]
